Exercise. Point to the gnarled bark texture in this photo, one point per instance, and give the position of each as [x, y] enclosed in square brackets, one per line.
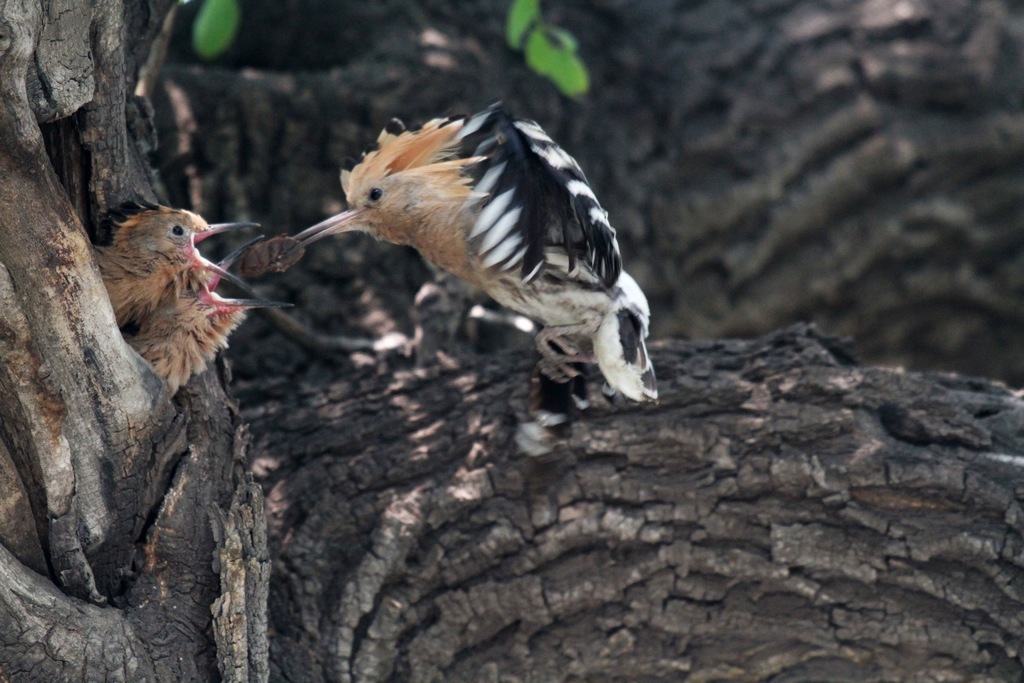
[111, 492]
[781, 514]
[856, 163]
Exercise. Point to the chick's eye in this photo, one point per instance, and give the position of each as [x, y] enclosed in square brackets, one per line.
[177, 231]
[376, 193]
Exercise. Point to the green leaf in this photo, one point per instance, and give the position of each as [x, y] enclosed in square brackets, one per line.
[548, 55]
[540, 53]
[568, 73]
[521, 16]
[215, 27]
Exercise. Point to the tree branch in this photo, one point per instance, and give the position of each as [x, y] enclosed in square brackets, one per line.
[781, 511]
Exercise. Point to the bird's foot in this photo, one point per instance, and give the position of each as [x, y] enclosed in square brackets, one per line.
[551, 344]
[564, 368]
[559, 358]
[558, 369]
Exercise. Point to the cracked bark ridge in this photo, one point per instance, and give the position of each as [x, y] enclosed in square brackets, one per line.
[179, 594]
[781, 514]
[243, 562]
[854, 162]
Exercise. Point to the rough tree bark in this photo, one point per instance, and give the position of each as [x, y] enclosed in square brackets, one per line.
[782, 514]
[854, 162]
[135, 507]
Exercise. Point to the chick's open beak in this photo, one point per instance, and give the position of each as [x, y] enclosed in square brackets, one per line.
[253, 303]
[224, 305]
[346, 221]
[220, 272]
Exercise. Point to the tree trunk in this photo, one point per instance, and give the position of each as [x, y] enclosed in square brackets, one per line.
[112, 493]
[781, 514]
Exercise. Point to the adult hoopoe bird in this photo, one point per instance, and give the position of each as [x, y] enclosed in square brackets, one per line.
[187, 330]
[495, 201]
[147, 254]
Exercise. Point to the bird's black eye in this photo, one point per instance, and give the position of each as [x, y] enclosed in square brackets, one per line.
[177, 231]
[376, 193]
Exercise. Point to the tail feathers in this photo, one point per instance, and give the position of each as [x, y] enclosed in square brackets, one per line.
[622, 355]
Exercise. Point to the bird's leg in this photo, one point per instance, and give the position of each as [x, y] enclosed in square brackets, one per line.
[558, 355]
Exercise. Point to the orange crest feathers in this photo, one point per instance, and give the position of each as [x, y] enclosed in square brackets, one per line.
[400, 150]
[446, 178]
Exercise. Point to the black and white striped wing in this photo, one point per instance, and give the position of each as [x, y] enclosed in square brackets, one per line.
[536, 207]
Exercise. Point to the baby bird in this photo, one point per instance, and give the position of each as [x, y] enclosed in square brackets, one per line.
[147, 254]
[494, 200]
[183, 333]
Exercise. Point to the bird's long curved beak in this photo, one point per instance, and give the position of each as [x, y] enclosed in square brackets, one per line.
[218, 228]
[346, 221]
